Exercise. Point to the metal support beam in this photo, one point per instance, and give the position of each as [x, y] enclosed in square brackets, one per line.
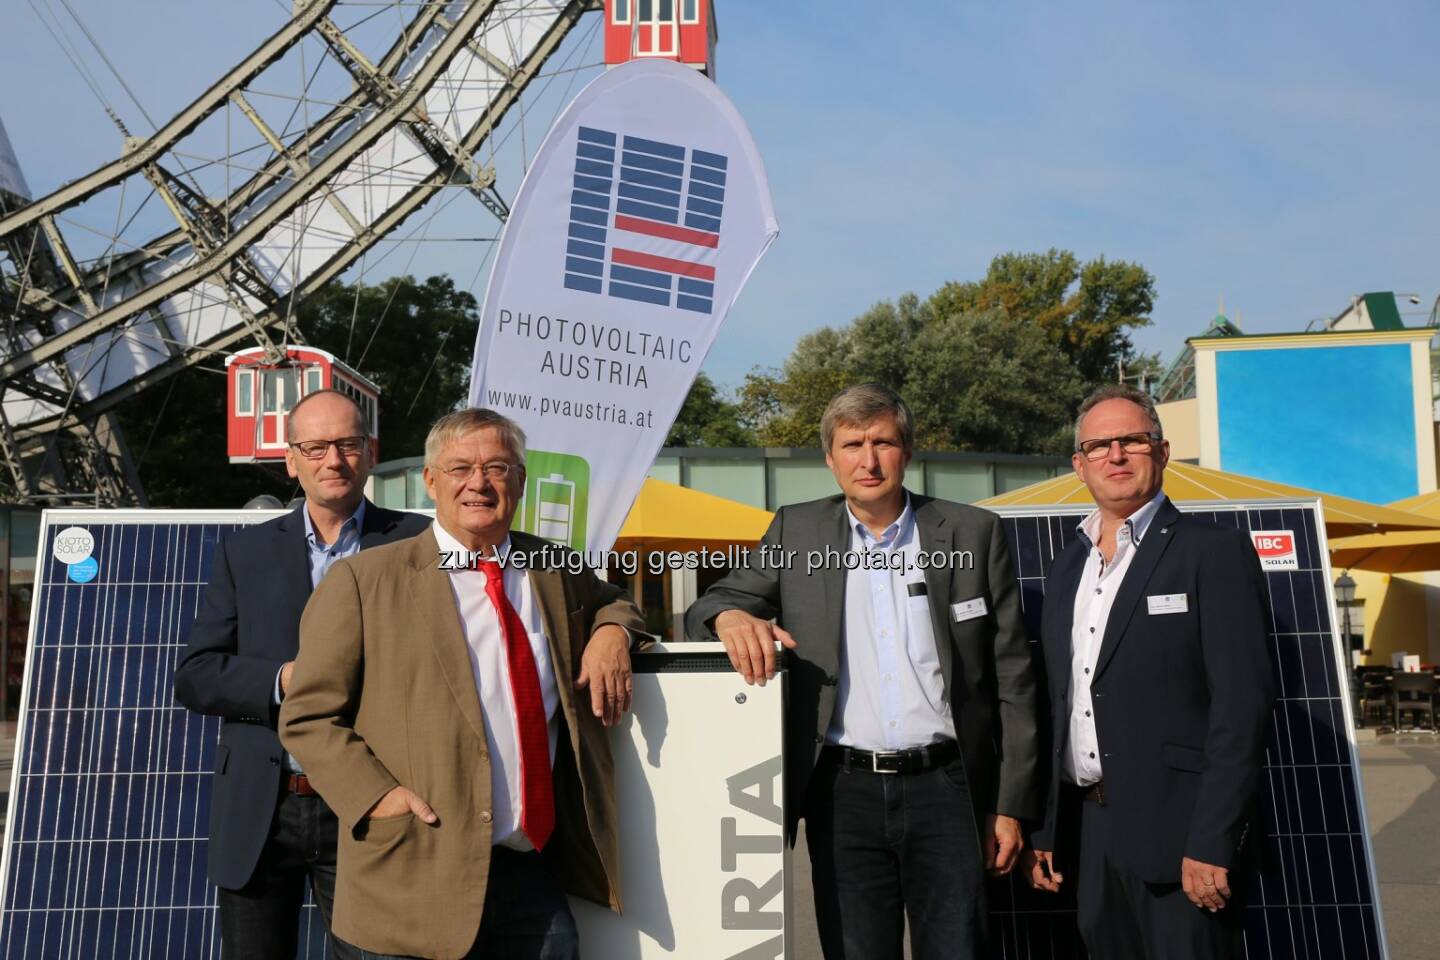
[183, 123]
[296, 194]
[298, 165]
[343, 258]
[433, 139]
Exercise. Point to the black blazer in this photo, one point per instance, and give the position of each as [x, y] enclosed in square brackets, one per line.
[247, 628]
[1181, 700]
[986, 662]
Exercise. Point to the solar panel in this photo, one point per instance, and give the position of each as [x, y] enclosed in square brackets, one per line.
[1314, 893]
[105, 853]
[110, 797]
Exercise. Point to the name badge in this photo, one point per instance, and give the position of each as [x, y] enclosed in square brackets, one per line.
[969, 610]
[1168, 603]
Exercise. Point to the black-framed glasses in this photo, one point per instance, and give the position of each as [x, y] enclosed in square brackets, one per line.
[1099, 448]
[316, 449]
[492, 471]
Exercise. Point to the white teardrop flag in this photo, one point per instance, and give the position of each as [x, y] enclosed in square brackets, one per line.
[639, 222]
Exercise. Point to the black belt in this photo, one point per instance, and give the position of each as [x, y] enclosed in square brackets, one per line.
[914, 760]
[1095, 793]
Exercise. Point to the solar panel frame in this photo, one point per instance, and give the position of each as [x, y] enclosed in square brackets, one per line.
[1026, 926]
[1029, 924]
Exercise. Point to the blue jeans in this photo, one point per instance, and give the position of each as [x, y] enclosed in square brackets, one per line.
[886, 845]
[525, 917]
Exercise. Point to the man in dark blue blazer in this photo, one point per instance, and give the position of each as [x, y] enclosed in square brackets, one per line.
[1157, 651]
[269, 829]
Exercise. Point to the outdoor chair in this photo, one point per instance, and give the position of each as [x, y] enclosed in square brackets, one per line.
[1414, 693]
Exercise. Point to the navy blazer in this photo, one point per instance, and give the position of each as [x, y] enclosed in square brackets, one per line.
[247, 629]
[1182, 700]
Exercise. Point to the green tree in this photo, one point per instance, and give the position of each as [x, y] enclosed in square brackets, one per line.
[981, 381]
[1086, 309]
[995, 364]
[414, 339]
[707, 419]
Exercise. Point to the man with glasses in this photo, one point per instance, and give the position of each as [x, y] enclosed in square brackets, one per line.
[1156, 641]
[269, 829]
[454, 715]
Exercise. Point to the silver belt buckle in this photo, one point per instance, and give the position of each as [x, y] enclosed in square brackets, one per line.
[875, 762]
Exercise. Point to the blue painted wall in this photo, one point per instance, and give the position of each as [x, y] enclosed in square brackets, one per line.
[1334, 419]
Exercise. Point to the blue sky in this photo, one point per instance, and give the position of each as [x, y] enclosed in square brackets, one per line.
[1282, 155]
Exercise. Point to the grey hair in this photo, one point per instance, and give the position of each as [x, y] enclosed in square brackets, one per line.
[862, 404]
[461, 423]
[327, 392]
[1119, 391]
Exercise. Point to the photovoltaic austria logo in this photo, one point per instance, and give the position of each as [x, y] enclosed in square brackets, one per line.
[654, 237]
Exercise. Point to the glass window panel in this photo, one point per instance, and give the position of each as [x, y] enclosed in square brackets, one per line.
[418, 497]
[667, 10]
[961, 482]
[647, 11]
[665, 468]
[390, 491]
[741, 480]
[245, 393]
[795, 481]
[690, 10]
[312, 380]
[1013, 476]
[621, 11]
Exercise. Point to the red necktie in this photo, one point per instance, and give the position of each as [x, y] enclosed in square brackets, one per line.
[537, 790]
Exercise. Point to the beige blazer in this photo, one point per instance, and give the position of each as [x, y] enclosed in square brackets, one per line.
[383, 694]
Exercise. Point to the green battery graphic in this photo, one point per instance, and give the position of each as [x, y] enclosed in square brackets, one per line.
[557, 493]
[555, 499]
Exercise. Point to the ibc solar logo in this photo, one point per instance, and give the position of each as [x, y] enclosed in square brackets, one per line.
[1276, 549]
[654, 238]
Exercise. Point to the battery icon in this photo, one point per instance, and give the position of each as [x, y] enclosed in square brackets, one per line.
[554, 507]
[557, 495]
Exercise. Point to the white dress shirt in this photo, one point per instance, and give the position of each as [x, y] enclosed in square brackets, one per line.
[891, 693]
[1099, 582]
[491, 669]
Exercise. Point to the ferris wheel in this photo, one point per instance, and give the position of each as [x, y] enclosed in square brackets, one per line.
[352, 121]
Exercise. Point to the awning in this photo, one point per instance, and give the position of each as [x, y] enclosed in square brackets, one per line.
[670, 517]
[1344, 517]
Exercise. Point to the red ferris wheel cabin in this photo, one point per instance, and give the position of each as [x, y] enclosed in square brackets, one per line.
[681, 30]
[262, 393]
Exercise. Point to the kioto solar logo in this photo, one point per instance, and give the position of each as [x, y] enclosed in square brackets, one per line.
[645, 220]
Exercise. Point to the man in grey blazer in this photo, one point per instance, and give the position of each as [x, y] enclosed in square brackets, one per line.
[911, 710]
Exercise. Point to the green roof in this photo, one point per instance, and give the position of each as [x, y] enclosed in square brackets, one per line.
[1384, 315]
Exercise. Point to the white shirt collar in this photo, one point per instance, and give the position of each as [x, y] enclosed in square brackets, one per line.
[1137, 523]
[449, 544]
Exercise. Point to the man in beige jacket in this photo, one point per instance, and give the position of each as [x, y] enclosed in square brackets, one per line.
[452, 711]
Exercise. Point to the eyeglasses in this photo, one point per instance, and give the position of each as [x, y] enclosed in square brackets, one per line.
[494, 470]
[316, 449]
[1099, 448]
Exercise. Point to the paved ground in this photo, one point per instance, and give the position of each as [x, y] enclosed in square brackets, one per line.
[1402, 798]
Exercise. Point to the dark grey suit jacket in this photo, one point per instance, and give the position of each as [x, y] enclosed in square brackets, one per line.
[986, 662]
[247, 628]
[1181, 700]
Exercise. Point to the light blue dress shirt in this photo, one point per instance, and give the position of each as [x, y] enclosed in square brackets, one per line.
[322, 557]
[891, 691]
